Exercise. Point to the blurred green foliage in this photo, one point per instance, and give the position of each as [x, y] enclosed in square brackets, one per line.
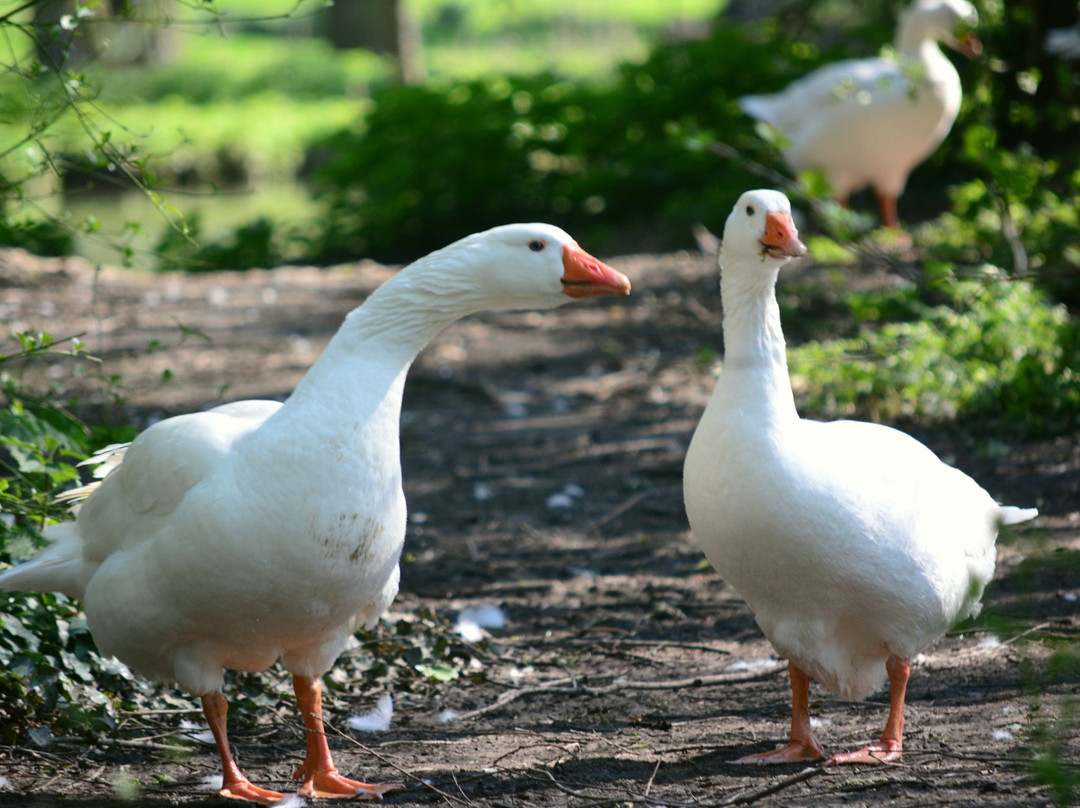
[626, 165]
[620, 158]
[478, 18]
[39, 236]
[255, 244]
[993, 352]
[213, 69]
[1021, 211]
[620, 165]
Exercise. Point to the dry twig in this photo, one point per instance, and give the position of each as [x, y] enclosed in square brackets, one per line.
[745, 798]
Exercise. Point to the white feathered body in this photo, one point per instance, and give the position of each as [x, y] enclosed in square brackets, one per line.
[247, 533]
[849, 541]
[864, 122]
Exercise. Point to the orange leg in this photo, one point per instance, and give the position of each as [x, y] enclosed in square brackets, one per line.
[234, 784]
[320, 777]
[803, 745]
[888, 749]
[887, 206]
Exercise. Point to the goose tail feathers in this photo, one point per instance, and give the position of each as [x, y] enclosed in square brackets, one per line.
[1009, 515]
[107, 460]
[760, 107]
[60, 567]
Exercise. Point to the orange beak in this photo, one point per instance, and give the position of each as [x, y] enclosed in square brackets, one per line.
[585, 276]
[969, 45]
[781, 239]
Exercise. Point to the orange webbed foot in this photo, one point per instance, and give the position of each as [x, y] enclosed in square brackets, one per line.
[328, 784]
[888, 748]
[243, 789]
[794, 752]
[875, 753]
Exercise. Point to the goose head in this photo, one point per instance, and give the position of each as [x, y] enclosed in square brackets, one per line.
[532, 266]
[950, 21]
[760, 231]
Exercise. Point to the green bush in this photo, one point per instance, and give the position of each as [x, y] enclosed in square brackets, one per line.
[622, 165]
[991, 351]
[45, 650]
[39, 236]
[256, 244]
[1019, 211]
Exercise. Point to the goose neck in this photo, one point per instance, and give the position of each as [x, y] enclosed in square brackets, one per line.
[372, 351]
[752, 332]
[916, 41]
[755, 354]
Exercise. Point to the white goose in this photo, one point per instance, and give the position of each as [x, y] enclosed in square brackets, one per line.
[259, 530]
[852, 543]
[872, 121]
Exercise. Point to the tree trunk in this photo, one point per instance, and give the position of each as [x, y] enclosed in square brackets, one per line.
[383, 26]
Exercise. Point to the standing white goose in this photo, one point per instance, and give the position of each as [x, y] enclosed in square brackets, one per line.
[852, 543]
[872, 121]
[259, 530]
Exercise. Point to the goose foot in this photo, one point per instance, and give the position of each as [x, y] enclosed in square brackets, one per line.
[320, 776]
[873, 754]
[803, 745]
[794, 752]
[243, 789]
[234, 785]
[331, 785]
[888, 748]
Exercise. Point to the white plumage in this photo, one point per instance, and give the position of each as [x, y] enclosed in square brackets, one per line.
[259, 530]
[872, 121]
[853, 544]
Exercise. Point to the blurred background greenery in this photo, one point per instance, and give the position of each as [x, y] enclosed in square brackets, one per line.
[235, 114]
[240, 133]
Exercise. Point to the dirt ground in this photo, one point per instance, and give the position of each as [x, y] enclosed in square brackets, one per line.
[542, 457]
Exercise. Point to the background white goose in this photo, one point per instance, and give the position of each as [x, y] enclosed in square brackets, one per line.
[872, 121]
[260, 530]
[853, 544]
[1063, 42]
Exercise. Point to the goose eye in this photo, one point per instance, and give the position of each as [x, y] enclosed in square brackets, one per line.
[536, 245]
[750, 210]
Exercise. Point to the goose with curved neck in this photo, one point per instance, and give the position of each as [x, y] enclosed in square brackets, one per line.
[872, 121]
[852, 543]
[262, 530]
